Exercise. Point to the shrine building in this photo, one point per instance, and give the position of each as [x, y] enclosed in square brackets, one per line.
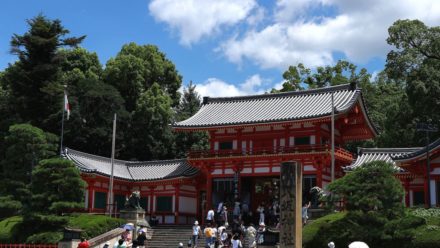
[412, 167]
[249, 136]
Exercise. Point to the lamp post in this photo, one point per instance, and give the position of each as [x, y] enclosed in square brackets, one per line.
[427, 128]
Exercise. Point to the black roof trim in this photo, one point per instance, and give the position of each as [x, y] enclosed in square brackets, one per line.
[419, 152]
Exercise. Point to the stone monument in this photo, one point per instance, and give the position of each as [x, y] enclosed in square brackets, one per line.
[133, 212]
[290, 205]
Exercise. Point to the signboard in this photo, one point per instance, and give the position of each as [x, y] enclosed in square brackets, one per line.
[290, 205]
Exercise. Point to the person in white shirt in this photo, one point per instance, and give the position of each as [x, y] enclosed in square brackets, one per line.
[260, 209]
[210, 216]
[236, 243]
[220, 207]
[196, 231]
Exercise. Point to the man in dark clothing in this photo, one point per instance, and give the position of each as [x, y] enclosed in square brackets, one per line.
[140, 240]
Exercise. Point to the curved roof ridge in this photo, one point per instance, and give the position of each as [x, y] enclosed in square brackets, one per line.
[152, 162]
[387, 150]
[419, 152]
[97, 157]
[207, 100]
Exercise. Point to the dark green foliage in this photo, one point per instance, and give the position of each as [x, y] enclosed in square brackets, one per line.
[9, 206]
[189, 105]
[45, 238]
[370, 227]
[25, 147]
[33, 81]
[94, 104]
[136, 68]
[151, 135]
[416, 63]
[371, 187]
[8, 227]
[56, 187]
[299, 77]
[14, 230]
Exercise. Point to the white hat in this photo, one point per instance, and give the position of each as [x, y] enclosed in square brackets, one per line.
[358, 244]
[196, 222]
[107, 243]
[331, 245]
[181, 244]
[262, 224]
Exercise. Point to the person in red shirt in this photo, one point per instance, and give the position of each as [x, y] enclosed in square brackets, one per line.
[84, 243]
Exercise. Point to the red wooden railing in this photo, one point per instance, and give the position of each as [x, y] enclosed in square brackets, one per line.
[28, 245]
[194, 154]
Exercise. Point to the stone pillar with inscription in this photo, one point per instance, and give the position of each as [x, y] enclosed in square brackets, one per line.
[290, 205]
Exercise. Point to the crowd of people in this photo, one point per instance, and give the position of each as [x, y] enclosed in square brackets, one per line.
[235, 228]
[234, 236]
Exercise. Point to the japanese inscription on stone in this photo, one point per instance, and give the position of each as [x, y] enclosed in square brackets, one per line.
[290, 174]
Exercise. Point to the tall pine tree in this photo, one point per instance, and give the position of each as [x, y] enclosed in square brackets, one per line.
[33, 81]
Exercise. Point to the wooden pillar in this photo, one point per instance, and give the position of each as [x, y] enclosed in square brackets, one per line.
[151, 203]
[425, 188]
[208, 189]
[406, 186]
[319, 168]
[91, 196]
[176, 205]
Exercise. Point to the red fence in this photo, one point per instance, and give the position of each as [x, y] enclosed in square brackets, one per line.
[28, 245]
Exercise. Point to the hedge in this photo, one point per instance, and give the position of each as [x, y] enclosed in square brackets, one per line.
[92, 226]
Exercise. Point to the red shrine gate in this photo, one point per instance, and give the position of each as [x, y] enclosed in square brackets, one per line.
[251, 136]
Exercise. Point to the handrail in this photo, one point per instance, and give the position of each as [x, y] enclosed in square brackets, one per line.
[266, 151]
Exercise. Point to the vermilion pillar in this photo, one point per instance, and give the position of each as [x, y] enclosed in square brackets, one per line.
[176, 210]
[151, 203]
[406, 186]
[91, 195]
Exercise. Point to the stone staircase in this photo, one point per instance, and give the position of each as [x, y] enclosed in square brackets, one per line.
[169, 236]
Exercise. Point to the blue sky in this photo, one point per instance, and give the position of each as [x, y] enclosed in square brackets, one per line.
[228, 47]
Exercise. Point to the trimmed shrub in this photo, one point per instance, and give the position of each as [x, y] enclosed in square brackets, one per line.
[45, 238]
[12, 230]
[8, 227]
[369, 227]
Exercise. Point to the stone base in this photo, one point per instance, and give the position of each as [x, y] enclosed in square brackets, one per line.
[135, 216]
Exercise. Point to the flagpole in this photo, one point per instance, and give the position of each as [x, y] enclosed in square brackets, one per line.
[333, 138]
[62, 121]
[110, 197]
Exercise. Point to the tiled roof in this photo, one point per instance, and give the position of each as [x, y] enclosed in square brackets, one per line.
[378, 154]
[131, 170]
[288, 106]
[417, 153]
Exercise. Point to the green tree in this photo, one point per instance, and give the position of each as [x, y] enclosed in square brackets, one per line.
[56, 187]
[343, 72]
[33, 80]
[136, 68]
[371, 187]
[415, 62]
[150, 135]
[25, 147]
[189, 105]
[90, 127]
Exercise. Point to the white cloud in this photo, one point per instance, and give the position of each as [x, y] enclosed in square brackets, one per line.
[358, 30]
[197, 19]
[214, 87]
